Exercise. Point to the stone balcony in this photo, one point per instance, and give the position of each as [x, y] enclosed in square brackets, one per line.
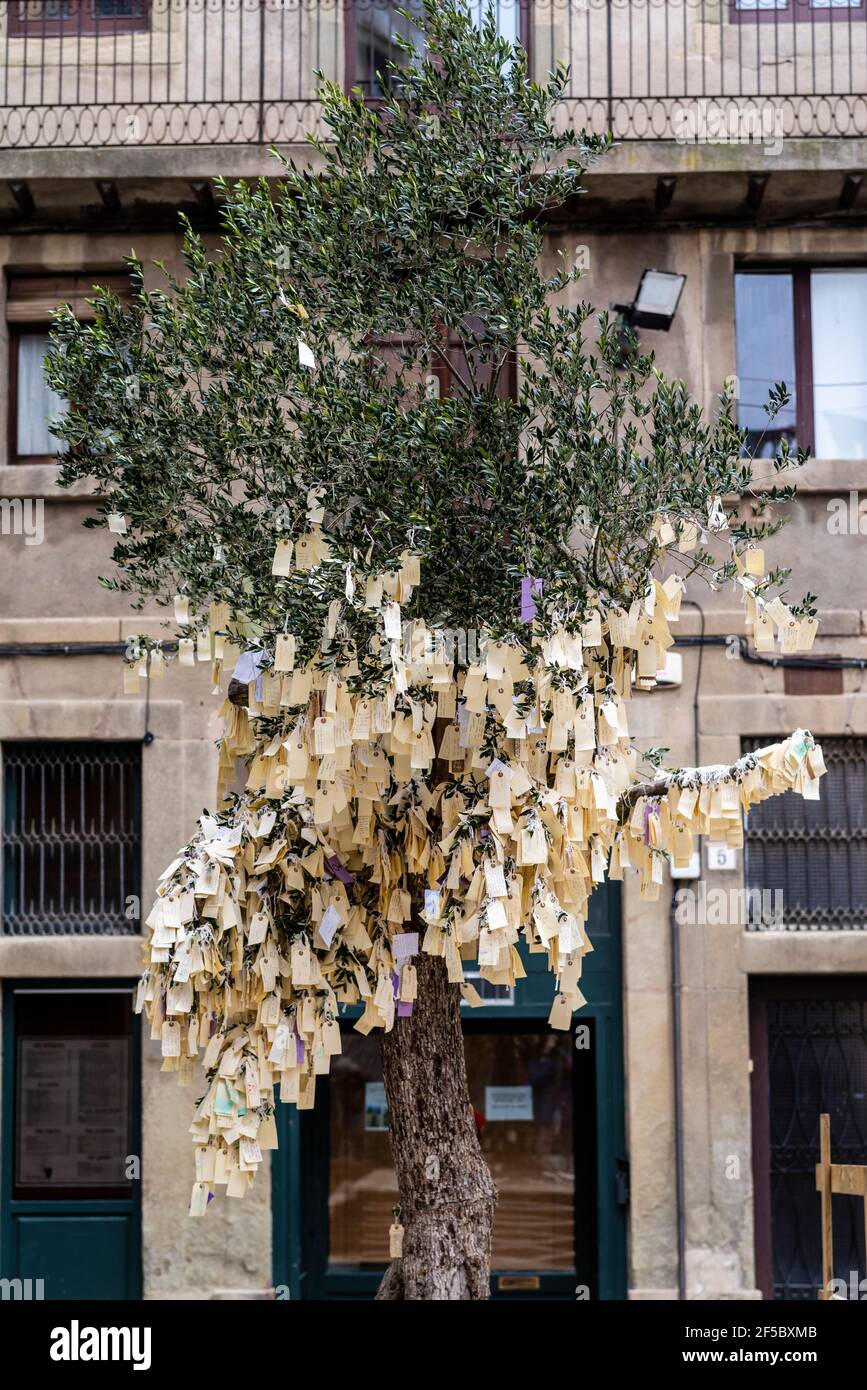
[114, 110]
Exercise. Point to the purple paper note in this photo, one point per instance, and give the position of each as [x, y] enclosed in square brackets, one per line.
[299, 1051]
[404, 1009]
[530, 589]
[339, 870]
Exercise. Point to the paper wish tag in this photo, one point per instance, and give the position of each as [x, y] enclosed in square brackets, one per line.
[395, 1241]
[561, 1013]
[404, 945]
[809, 628]
[282, 563]
[284, 652]
[754, 560]
[199, 1199]
[495, 881]
[259, 923]
[328, 926]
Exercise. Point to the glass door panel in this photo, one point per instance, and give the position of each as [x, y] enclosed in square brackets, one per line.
[523, 1086]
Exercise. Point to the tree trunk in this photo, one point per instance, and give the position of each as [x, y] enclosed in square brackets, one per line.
[447, 1194]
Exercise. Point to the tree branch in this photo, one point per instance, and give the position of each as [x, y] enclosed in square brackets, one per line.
[696, 776]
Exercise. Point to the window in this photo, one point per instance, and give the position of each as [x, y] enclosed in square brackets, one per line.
[804, 326]
[71, 838]
[817, 12]
[814, 853]
[461, 365]
[490, 993]
[31, 301]
[73, 1091]
[372, 24]
[370, 29]
[528, 1088]
[458, 366]
[35, 19]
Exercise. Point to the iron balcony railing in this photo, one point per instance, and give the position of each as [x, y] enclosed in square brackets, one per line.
[99, 73]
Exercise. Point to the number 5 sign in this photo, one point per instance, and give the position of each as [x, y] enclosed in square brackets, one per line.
[720, 857]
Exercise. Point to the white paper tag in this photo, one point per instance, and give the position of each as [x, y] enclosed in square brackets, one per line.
[329, 924]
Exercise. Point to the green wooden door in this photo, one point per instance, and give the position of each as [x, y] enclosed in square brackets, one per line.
[551, 1109]
[71, 1204]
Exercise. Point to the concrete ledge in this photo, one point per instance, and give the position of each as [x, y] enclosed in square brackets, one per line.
[769, 715]
[129, 162]
[669, 157]
[670, 1296]
[40, 480]
[721, 622]
[652, 1295]
[803, 953]
[244, 1295]
[60, 630]
[838, 476]
[69, 957]
[99, 719]
[175, 162]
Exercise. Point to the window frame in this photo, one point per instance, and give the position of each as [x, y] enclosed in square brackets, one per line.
[350, 36]
[797, 12]
[17, 331]
[800, 271]
[82, 19]
[80, 287]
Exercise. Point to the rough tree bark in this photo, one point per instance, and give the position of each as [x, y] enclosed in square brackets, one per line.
[447, 1194]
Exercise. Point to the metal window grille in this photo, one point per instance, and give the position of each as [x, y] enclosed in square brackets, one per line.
[71, 838]
[815, 852]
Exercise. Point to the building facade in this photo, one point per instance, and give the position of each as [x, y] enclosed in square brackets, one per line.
[669, 1146]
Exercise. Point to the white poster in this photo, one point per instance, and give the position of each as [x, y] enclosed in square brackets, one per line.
[508, 1103]
[375, 1106]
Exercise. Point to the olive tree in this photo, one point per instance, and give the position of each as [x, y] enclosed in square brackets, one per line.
[429, 516]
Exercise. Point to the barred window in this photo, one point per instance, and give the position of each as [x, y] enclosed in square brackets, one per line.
[815, 852]
[71, 838]
[38, 19]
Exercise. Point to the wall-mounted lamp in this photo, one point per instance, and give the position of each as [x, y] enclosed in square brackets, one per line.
[654, 306]
[656, 300]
